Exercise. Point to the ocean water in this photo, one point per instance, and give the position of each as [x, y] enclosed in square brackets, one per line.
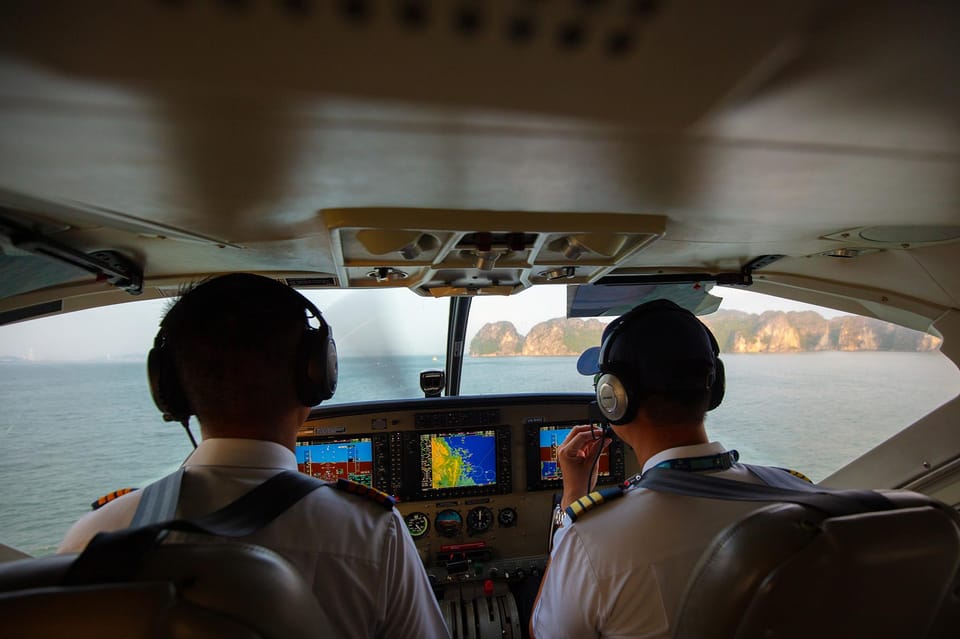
[70, 433]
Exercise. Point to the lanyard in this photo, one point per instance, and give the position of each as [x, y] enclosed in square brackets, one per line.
[720, 461]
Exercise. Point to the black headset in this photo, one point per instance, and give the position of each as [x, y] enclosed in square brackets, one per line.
[316, 368]
[620, 384]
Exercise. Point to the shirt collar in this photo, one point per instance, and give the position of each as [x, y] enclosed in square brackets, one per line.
[681, 452]
[247, 453]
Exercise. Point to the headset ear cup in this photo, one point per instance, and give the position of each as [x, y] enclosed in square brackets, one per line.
[165, 386]
[317, 367]
[332, 368]
[719, 386]
[614, 401]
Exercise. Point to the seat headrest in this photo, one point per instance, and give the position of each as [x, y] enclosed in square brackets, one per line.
[787, 570]
[181, 590]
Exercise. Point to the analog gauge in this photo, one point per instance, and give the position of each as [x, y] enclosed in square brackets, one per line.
[480, 519]
[418, 524]
[448, 523]
[507, 517]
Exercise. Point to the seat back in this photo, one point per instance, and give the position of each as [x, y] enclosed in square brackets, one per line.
[178, 591]
[787, 570]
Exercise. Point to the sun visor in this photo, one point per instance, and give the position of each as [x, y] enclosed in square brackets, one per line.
[591, 300]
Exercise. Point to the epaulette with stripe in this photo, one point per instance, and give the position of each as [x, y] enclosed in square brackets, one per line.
[797, 473]
[373, 494]
[591, 501]
[106, 499]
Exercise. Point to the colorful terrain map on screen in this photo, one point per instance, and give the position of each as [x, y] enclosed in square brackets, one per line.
[350, 459]
[460, 459]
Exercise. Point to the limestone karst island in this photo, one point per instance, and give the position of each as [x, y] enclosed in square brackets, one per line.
[736, 332]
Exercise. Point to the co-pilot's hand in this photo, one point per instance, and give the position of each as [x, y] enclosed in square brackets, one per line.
[575, 456]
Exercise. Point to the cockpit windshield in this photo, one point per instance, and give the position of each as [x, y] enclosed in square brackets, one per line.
[807, 388]
[385, 339]
[525, 344]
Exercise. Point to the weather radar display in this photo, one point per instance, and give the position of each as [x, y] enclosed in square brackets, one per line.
[459, 459]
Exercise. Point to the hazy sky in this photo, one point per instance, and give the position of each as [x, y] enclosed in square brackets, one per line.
[367, 323]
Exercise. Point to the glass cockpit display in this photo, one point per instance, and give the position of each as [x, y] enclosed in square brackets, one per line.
[458, 459]
[456, 462]
[335, 459]
[543, 469]
[550, 439]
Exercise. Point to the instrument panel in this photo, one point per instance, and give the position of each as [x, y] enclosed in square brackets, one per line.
[475, 477]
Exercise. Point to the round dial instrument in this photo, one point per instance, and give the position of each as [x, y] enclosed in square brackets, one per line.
[448, 523]
[418, 524]
[507, 517]
[480, 519]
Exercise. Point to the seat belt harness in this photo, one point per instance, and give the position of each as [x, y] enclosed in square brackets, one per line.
[778, 486]
[115, 556]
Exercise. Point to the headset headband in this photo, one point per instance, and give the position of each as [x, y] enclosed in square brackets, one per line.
[316, 359]
[684, 347]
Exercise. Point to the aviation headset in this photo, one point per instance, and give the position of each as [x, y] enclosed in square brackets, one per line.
[316, 361]
[620, 385]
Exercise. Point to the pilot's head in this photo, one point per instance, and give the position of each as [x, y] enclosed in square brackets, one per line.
[660, 358]
[241, 347]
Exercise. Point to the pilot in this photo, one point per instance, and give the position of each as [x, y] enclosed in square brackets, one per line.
[618, 567]
[241, 350]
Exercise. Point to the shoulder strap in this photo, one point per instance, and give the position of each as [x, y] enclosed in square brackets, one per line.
[158, 502]
[832, 502]
[115, 556]
[780, 478]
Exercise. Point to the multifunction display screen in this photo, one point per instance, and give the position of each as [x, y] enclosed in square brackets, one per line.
[458, 459]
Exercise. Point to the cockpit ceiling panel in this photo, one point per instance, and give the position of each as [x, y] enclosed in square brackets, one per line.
[203, 137]
[503, 251]
[499, 54]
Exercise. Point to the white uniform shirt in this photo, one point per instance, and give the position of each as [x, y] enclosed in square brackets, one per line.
[620, 570]
[359, 556]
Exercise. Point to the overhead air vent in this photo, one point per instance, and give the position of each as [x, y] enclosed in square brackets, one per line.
[387, 274]
[407, 244]
[573, 247]
[564, 272]
[469, 252]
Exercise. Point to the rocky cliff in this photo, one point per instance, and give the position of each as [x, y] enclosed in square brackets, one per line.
[736, 332]
[562, 336]
[780, 332]
[495, 339]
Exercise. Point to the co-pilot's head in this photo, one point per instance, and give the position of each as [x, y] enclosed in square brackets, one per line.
[658, 357]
